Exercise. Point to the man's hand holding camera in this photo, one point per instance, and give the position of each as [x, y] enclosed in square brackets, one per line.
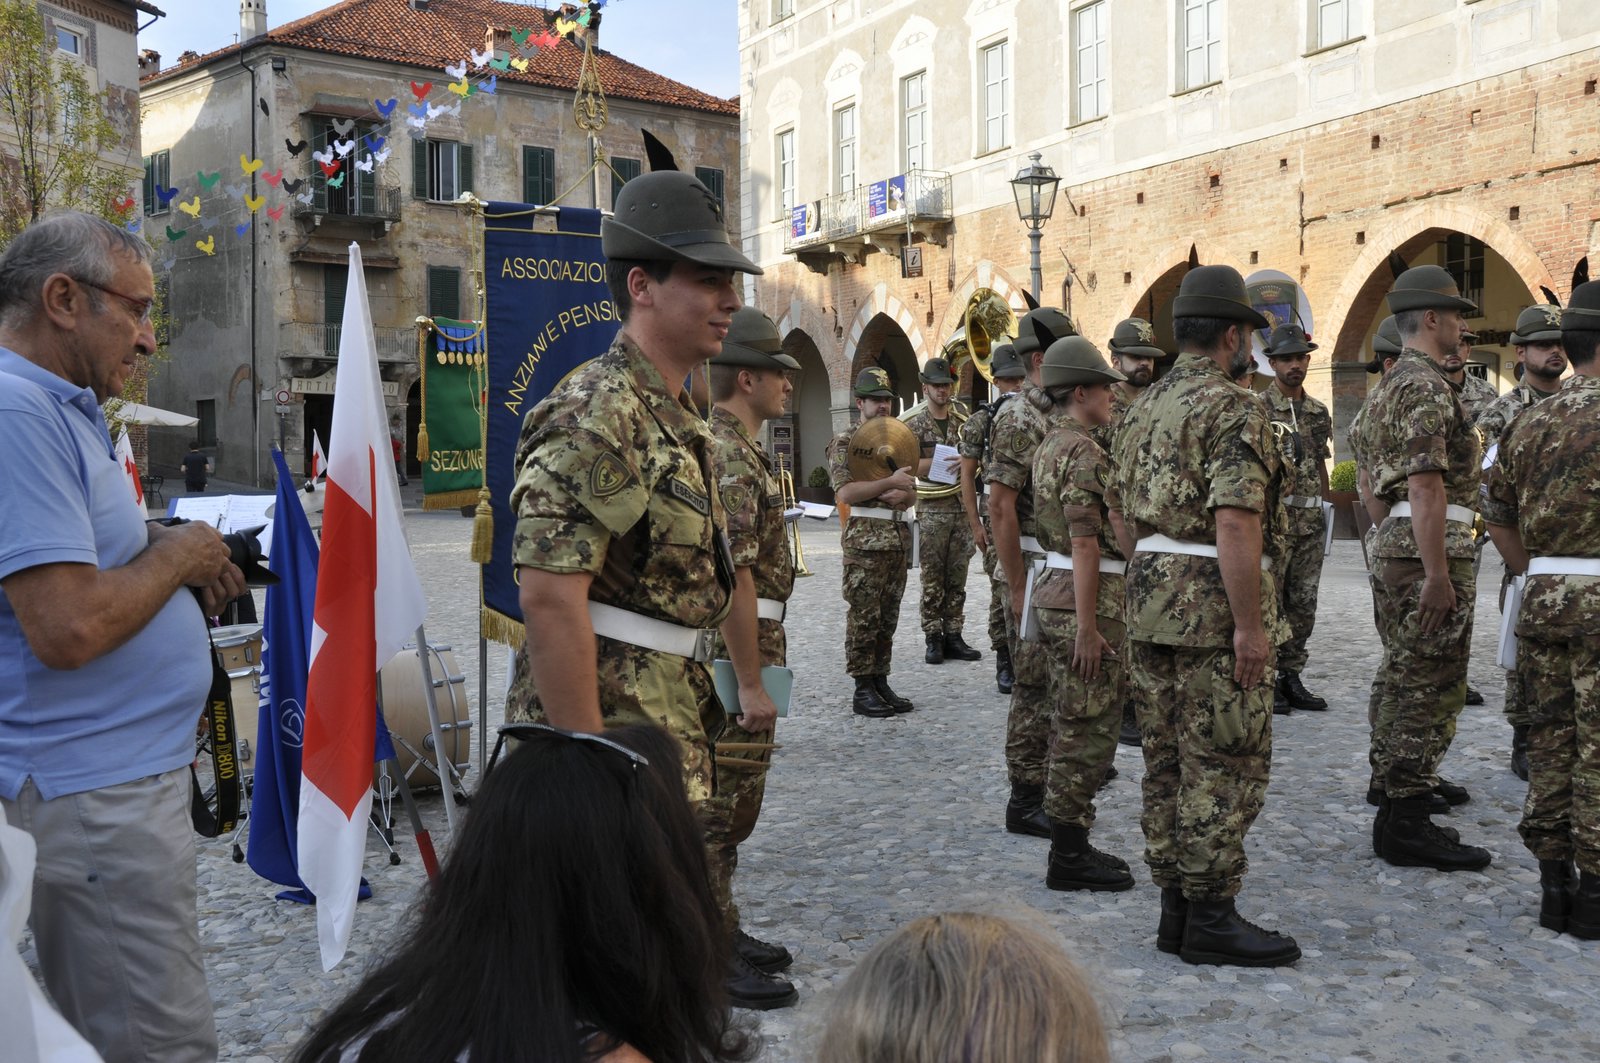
[203, 560]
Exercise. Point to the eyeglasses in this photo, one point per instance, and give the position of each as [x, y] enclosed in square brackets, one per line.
[524, 731]
[141, 307]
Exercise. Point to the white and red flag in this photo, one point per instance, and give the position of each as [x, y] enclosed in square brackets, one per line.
[369, 603]
[129, 466]
[319, 460]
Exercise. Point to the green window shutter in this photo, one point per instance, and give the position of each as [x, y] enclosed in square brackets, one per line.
[624, 170]
[538, 175]
[465, 172]
[150, 185]
[419, 169]
[335, 279]
[444, 292]
[712, 178]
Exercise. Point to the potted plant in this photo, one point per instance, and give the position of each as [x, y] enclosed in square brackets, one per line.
[816, 488]
[1342, 493]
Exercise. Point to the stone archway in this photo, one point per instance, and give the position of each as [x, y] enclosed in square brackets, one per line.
[884, 343]
[881, 302]
[809, 419]
[1157, 283]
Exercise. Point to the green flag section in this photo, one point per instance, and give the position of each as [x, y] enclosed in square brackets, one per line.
[450, 443]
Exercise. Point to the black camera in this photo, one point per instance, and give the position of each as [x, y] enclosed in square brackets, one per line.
[244, 550]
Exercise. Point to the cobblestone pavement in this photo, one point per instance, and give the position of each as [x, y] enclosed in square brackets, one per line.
[871, 823]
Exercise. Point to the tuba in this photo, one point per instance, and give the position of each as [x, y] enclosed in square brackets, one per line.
[987, 322]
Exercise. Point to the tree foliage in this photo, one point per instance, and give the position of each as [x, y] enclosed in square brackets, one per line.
[57, 138]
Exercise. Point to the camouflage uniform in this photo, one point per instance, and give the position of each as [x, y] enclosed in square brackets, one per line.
[1304, 432]
[944, 547]
[1358, 445]
[1070, 472]
[753, 501]
[1477, 395]
[1415, 424]
[1195, 442]
[612, 479]
[1105, 435]
[1018, 428]
[875, 556]
[1546, 483]
[975, 445]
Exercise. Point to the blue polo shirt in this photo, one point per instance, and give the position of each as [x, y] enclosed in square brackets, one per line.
[64, 497]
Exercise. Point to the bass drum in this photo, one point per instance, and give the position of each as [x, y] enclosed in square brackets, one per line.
[405, 709]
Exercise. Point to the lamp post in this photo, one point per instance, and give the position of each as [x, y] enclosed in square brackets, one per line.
[1035, 190]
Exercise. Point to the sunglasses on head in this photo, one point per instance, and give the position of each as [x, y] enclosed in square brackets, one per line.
[525, 731]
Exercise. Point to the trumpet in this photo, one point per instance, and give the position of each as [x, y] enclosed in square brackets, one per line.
[791, 501]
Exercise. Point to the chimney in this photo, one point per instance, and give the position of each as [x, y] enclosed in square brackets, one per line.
[419, 5]
[149, 61]
[252, 19]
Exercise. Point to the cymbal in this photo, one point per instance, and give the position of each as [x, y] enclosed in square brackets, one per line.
[880, 446]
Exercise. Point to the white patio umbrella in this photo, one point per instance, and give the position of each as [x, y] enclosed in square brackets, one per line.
[139, 413]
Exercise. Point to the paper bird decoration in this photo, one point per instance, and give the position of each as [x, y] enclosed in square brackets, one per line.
[373, 142]
[275, 213]
[176, 234]
[342, 148]
[264, 109]
[330, 168]
[421, 91]
[545, 39]
[480, 58]
[457, 72]
[241, 229]
[250, 166]
[294, 149]
[323, 156]
[564, 26]
[133, 226]
[208, 245]
[306, 197]
[234, 191]
[521, 37]
[343, 128]
[292, 186]
[385, 108]
[254, 202]
[418, 110]
[168, 262]
[489, 86]
[336, 182]
[274, 177]
[583, 19]
[521, 65]
[501, 61]
[417, 124]
[208, 223]
[381, 157]
[460, 88]
[165, 195]
[364, 165]
[123, 205]
[191, 208]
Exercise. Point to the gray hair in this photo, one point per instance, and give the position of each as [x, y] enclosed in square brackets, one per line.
[68, 241]
[1409, 322]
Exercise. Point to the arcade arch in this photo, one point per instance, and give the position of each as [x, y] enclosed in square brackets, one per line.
[885, 344]
[802, 433]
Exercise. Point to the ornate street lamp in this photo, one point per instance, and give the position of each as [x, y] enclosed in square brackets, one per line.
[1035, 190]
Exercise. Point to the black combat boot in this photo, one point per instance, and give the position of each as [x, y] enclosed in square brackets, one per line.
[1025, 811]
[1129, 735]
[956, 648]
[1214, 932]
[749, 987]
[935, 654]
[1280, 700]
[1451, 793]
[1519, 751]
[868, 702]
[1558, 880]
[1296, 694]
[1438, 804]
[1174, 914]
[763, 956]
[1410, 839]
[1473, 697]
[1003, 676]
[1379, 821]
[1077, 865]
[1583, 921]
[895, 701]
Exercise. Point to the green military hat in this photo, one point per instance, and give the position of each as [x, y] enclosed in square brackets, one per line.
[1004, 363]
[1074, 360]
[1540, 323]
[873, 383]
[1035, 325]
[1427, 288]
[753, 343]
[1136, 338]
[1583, 309]
[936, 371]
[1288, 339]
[668, 216]
[1216, 291]
[1385, 344]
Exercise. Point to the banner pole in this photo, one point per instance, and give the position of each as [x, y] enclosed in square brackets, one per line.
[483, 698]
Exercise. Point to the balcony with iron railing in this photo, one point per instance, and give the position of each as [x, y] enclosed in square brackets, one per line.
[915, 205]
[320, 342]
[366, 205]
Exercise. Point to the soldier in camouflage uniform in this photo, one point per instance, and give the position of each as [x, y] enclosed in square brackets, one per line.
[1544, 513]
[1196, 468]
[1477, 393]
[1425, 468]
[1077, 601]
[944, 549]
[620, 551]
[1537, 342]
[877, 545]
[1008, 373]
[749, 385]
[1304, 430]
[1018, 427]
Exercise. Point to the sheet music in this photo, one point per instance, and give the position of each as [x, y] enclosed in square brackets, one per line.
[946, 465]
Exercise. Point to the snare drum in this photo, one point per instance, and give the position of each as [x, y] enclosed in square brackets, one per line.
[239, 645]
[405, 709]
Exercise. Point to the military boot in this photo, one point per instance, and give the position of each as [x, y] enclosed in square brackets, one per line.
[1003, 676]
[935, 654]
[1410, 839]
[1077, 865]
[1519, 751]
[1214, 932]
[1129, 735]
[895, 701]
[1558, 880]
[1295, 693]
[868, 702]
[956, 648]
[1451, 793]
[1473, 697]
[762, 955]
[1583, 921]
[1174, 914]
[1280, 700]
[1438, 803]
[749, 987]
[1025, 811]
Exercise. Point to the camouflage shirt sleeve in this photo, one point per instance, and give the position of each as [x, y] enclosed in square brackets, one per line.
[972, 433]
[1423, 418]
[1319, 429]
[739, 484]
[1011, 447]
[1240, 460]
[574, 492]
[1083, 488]
[839, 461]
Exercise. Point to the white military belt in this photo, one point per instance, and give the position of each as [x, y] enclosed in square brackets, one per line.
[1162, 544]
[1459, 514]
[771, 609]
[903, 516]
[1030, 545]
[1302, 502]
[1564, 566]
[1064, 561]
[650, 633]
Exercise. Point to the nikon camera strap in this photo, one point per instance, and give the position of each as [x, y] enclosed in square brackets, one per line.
[222, 740]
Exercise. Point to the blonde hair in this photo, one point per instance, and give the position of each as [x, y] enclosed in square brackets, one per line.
[963, 986]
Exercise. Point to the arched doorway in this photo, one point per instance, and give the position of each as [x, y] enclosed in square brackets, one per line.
[1155, 305]
[802, 433]
[884, 344]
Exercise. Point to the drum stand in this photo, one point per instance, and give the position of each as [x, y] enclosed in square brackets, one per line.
[442, 768]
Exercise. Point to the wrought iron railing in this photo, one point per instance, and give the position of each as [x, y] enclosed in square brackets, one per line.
[304, 339]
[915, 196]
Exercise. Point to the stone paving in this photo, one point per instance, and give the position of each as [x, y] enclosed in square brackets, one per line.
[871, 823]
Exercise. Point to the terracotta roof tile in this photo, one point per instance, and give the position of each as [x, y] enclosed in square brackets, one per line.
[442, 35]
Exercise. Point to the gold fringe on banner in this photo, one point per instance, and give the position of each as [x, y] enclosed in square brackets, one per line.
[424, 330]
[450, 499]
[498, 627]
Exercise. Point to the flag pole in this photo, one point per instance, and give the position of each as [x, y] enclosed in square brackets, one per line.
[441, 760]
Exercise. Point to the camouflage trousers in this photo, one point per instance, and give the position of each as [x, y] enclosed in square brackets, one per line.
[1424, 676]
[874, 582]
[944, 551]
[1028, 722]
[1207, 758]
[1517, 713]
[1299, 574]
[997, 599]
[729, 818]
[1561, 816]
[1085, 718]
